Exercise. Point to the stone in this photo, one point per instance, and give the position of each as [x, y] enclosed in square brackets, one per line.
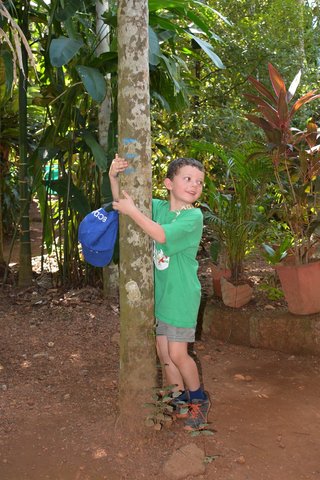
[184, 462]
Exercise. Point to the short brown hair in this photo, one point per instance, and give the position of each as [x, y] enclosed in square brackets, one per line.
[178, 163]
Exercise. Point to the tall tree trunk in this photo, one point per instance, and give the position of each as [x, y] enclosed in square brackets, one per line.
[110, 272]
[137, 344]
[25, 266]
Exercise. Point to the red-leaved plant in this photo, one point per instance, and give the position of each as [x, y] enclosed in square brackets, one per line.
[295, 156]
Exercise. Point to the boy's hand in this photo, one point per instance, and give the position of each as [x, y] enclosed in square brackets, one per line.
[125, 205]
[118, 165]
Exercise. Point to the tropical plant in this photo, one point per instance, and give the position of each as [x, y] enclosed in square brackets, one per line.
[295, 158]
[232, 209]
[71, 87]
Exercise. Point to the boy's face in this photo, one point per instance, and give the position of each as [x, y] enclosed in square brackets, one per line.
[185, 187]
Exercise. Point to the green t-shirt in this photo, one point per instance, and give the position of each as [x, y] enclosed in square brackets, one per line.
[177, 287]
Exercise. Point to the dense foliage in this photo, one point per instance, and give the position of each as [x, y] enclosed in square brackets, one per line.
[201, 55]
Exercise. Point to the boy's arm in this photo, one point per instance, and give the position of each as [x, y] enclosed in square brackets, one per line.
[151, 228]
[127, 206]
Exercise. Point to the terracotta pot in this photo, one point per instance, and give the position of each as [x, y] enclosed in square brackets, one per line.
[301, 287]
[217, 273]
[235, 296]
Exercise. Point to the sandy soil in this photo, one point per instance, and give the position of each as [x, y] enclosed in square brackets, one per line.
[58, 399]
[59, 366]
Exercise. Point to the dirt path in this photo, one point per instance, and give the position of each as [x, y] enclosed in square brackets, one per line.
[58, 401]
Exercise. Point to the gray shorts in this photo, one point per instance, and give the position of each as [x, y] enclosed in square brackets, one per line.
[175, 334]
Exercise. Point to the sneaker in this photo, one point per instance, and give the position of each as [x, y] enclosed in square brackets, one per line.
[197, 414]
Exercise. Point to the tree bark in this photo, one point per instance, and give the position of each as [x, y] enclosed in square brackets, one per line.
[137, 343]
[110, 272]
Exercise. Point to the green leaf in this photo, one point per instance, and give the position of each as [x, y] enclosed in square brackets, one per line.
[97, 151]
[94, 82]
[165, 24]
[77, 199]
[62, 50]
[207, 48]
[173, 72]
[155, 5]
[201, 24]
[154, 48]
[215, 11]
[63, 14]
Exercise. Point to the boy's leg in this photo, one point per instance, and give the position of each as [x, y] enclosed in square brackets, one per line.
[199, 403]
[169, 369]
[178, 353]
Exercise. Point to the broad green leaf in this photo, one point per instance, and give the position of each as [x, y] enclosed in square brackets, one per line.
[207, 48]
[154, 48]
[77, 200]
[46, 218]
[197, 20]
[167, 4]
[165, 24]
[62, 50]
[214, 11]
[162, 101]
[63, 14]
[173, 72]
[94, 82]
[97, 151]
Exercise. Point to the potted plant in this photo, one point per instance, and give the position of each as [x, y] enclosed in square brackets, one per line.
[233, 215]
[296, 164]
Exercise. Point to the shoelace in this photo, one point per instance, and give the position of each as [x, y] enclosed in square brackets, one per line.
[195, 410]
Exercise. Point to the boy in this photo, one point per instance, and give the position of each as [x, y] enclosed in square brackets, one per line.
[176, 228]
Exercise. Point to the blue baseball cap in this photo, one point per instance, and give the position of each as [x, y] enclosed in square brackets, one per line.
[97, 235]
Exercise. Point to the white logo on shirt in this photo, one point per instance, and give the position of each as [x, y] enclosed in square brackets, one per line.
[161, 260]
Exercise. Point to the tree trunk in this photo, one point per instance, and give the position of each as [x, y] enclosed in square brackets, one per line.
[110, 272]
[25, 266]
[137, 344]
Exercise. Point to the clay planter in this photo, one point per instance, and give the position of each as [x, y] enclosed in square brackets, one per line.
[235, 296]
[301, 287]
[217, 273]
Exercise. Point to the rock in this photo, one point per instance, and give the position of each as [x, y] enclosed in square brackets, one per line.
[184, 462]
[241, 460]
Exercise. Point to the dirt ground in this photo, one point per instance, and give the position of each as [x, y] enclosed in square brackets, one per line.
[59, 366]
